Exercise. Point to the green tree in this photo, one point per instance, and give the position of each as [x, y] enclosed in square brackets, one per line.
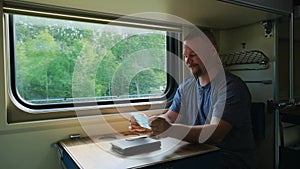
[39, 52]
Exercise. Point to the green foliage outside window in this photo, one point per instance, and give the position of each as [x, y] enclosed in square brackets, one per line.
[58, 60]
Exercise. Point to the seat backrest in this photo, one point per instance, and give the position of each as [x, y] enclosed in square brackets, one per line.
[258, 120]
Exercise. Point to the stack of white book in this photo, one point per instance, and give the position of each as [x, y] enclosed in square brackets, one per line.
[135, 145]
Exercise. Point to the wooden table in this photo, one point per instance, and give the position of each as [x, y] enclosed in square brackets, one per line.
[96, 153]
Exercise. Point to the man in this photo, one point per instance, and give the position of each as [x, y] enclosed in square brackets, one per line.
[211, 107]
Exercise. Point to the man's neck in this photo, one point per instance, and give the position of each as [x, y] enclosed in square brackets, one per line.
[207, 77]
[204, 80]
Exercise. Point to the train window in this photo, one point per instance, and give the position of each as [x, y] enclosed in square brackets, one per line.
[57, 61]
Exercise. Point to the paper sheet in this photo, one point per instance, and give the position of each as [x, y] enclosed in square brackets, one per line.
[142, 120]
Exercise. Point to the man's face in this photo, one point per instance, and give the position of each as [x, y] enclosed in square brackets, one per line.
[193, 61]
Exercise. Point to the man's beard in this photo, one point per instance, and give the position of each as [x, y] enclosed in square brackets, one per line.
[199, 72]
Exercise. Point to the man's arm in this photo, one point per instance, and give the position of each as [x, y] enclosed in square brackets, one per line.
[214, 132]
[170, 116]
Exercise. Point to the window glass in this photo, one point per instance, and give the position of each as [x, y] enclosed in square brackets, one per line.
[59, 61]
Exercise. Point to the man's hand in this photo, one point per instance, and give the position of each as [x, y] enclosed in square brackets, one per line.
[159, 126]
[134, 126]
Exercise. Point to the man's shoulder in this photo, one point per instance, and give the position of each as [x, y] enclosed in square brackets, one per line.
[230, 77]
[188, 82]
[235, 84]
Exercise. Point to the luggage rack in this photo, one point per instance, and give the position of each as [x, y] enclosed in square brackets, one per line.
[245, 60]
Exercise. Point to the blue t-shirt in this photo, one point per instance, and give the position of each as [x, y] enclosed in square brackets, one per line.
[228, 98]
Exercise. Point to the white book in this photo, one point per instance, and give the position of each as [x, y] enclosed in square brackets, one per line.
[135, 145]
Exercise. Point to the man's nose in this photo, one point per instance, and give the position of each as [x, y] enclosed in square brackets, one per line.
[188, 60]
